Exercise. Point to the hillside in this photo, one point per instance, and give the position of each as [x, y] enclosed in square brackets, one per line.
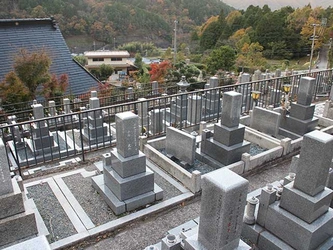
[114, 21]
[277, 4]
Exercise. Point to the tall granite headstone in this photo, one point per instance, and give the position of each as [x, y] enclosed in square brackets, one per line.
[302, 217]
[143, 112]
[194, 112]
[227, 144]
[221, 212]
[126, 183]
[300, 120]
[211, 102]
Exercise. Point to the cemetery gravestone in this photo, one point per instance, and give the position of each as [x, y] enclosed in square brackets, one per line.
[301, 120]
[301, 218]
[227, 144]
[95, 130]
[126, 183]
[221, 212]
[211, 103]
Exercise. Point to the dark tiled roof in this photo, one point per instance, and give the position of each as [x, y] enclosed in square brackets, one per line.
[33, 35]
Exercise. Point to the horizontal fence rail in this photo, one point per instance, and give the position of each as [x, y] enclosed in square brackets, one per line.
[82, 130]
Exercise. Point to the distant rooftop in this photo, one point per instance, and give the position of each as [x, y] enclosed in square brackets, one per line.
[107, 53]
[35, 34]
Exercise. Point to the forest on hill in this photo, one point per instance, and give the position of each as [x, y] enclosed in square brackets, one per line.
[281, 34]
[254, 34]
[105, 20]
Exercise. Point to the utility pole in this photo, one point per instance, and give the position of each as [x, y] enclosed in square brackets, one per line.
[312, 46]
[330, 55]
[175, 44]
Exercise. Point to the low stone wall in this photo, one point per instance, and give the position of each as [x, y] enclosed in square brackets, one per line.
[261, 139]
[296, 144]
[252, 162]
[191, 181]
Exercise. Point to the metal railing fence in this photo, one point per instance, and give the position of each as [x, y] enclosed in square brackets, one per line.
[65, 136]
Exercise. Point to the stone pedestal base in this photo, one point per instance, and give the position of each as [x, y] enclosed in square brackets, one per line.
[95, 135]
[302, 112]
[297, 126]
[296, 232]
[118, 206]
[15, 222]
[222, 153]
[312, 207]
[126, 188]
[192, 243]
[17, 227]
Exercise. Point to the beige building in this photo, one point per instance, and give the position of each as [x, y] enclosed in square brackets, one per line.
[119, 60]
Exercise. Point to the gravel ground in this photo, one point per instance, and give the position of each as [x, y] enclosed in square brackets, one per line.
[95, 206]
[150, 231]
[169, 190]
[92, 203]
[51, 211]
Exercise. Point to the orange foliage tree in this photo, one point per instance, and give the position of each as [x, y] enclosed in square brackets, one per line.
[159, 71]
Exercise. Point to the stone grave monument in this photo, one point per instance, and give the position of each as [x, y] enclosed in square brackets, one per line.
[16, 133]
[328, 109]
[194, 112]
[42, 139]
[126, 182]
[143, 112]
[300, 120]
[95, 130]
[211, 102]
[154, 88]
[227, 144]
[299, 217]
[156, 121]
[221, 212]
[178, 107]
[15, 222]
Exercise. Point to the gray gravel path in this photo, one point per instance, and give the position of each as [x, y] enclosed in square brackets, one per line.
[53, 215]
[92, 203]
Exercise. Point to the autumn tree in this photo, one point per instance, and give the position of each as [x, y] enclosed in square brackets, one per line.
[56, 87]
[251, 56]
[32, 68]
[159, 71]
[13, 91]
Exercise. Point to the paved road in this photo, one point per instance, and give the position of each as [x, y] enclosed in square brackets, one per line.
[146, 232]
[322, 59]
